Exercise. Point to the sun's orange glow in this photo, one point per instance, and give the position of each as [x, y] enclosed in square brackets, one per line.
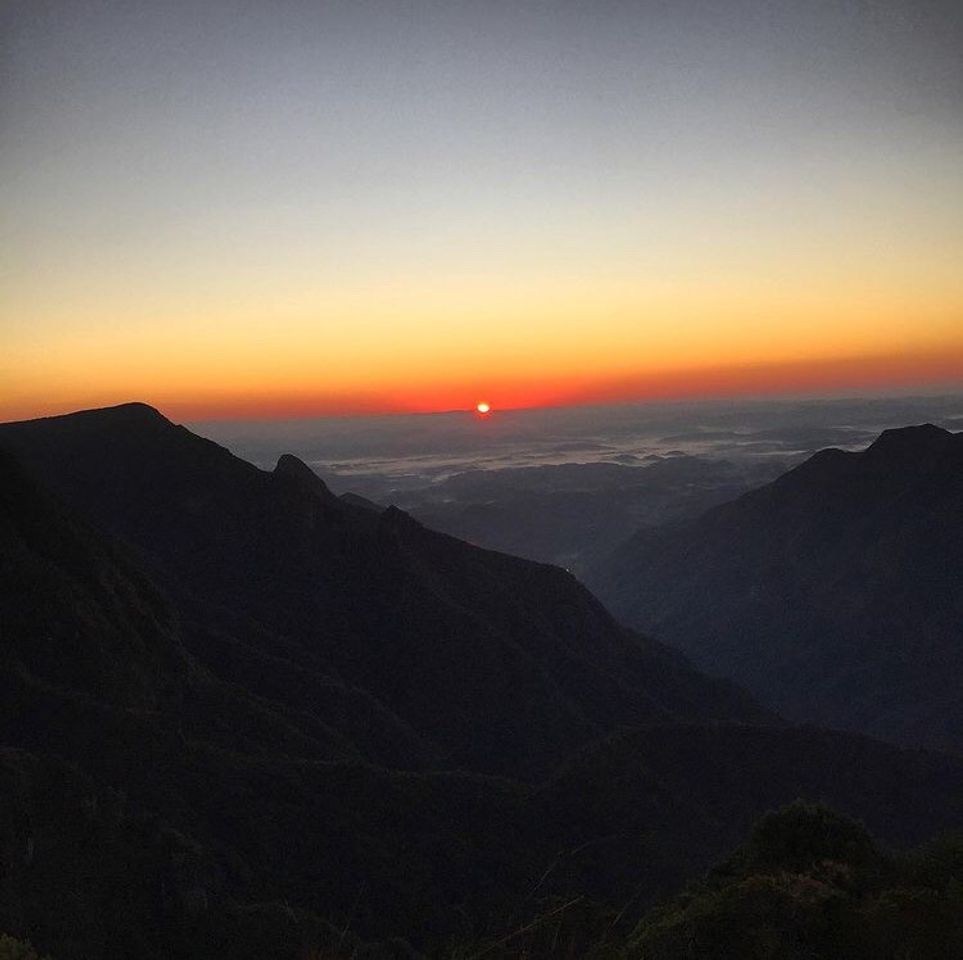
[443, 225]
[483, 408]
[421, 348]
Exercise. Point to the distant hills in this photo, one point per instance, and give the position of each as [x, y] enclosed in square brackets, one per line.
[835, 593]
[243, 717]
[575, 514]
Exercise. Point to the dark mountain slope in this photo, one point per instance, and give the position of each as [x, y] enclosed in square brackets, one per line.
[835, 593]
[82, 624]
[656, 805]
[154, 803]
[148, 806]
[498, 664]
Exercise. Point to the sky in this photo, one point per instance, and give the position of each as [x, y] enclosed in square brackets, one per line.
[240, 209]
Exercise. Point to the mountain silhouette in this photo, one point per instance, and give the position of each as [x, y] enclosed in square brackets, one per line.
[205, 753]
[835, 593]
[497, 664]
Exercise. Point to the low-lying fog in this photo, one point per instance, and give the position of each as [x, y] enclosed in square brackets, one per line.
[567, 485]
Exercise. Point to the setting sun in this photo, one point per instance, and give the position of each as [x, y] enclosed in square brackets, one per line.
[483, 408]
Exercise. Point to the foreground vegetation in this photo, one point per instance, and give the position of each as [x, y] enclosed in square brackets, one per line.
[808, 884]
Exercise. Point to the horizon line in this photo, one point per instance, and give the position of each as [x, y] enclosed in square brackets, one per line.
[945, 390]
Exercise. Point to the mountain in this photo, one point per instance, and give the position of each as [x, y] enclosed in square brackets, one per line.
[149, 807]
[190, 768]
[835, 593]
[494, 663]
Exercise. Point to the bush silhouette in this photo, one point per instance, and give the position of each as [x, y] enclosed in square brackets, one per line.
[13, 949]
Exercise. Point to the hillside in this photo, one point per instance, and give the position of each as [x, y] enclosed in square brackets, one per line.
[835, 593]
[495, 663]
[811, 883]
[181, 777]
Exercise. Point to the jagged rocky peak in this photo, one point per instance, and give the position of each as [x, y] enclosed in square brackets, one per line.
[294, 466]
[296, 469]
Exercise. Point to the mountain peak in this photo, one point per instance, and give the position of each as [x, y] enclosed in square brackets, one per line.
[395, 517]
[832, 594]
[296, 469]
[134, 412]
[914, 441]
[136, 409]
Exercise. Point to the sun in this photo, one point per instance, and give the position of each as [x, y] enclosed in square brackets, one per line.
[483, 408]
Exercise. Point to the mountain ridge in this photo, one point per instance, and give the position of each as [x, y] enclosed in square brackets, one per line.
[834, 593]
[377, 598]
[182, 777]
